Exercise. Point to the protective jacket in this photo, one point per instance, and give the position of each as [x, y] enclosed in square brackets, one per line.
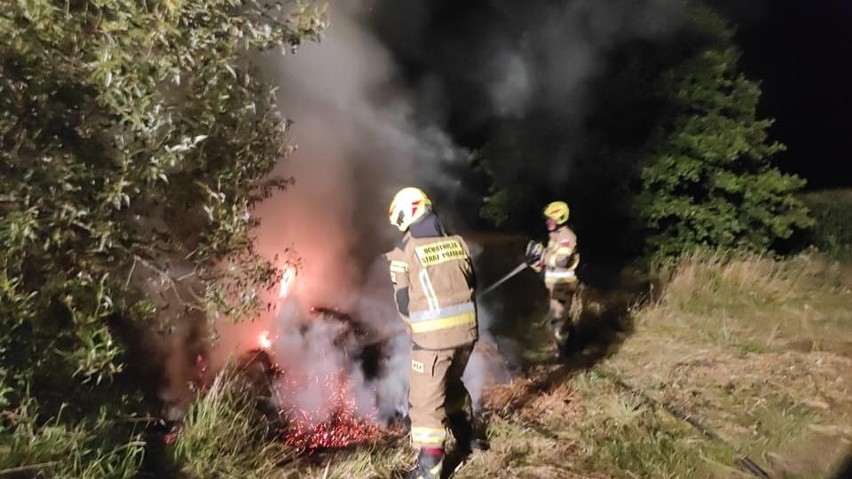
[434, 283]
[560, 257]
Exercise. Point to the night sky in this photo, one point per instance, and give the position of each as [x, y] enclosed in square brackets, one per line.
[799, 51]
[802, 53]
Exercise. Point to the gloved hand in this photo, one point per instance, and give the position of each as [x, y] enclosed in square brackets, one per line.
[534, 252]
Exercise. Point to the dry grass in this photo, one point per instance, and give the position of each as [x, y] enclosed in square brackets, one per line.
[224, 435]
[758, 303]
[758, 350]
[378, 462]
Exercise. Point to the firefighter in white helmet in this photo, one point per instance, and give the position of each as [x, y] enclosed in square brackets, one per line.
[559, 260]
[434, 288]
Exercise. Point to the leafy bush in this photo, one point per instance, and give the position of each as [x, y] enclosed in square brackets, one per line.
[709, 181]
[93, 448]
[135, 137]
[832, 229]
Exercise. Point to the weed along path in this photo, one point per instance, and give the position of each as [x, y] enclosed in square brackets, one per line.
[731, 369]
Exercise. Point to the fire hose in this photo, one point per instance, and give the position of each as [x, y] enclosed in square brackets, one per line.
[742, 460]
[533, 253]
[487, 290]
[505, 278]
[679, 413]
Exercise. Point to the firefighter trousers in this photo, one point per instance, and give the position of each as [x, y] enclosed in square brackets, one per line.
[436, 391]
[559, 315]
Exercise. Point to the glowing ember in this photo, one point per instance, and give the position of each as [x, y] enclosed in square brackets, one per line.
[286, 281]
[341, 428]
[263, 340]
[330, 418]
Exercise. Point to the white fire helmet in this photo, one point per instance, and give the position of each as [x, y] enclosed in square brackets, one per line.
[408, 205]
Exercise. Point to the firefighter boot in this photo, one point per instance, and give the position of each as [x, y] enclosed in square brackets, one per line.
[564, 337]
[462, 430]
[480, 436]
[428, 465]
[467, 433]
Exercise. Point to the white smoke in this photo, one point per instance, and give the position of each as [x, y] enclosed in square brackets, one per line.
[359, 140]
[319, 373]
[376, 307]
[510, 87]
[361, 136]
[522, 76]
[559, 48]
[491, 362]
[391, 389]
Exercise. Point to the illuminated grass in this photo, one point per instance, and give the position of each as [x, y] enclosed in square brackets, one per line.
[758, 350]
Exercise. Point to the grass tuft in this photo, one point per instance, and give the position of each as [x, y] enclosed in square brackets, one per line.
[93, 449]
[226, 435]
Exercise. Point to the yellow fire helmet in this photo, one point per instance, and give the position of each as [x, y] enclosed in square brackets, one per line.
[558, 211]
[408, 205]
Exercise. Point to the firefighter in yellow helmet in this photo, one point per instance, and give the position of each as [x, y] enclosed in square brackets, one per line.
[559, 260]
[434, 289]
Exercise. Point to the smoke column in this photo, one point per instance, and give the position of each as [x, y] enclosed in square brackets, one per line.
[365, 128]
[359, 140]
[518, 76]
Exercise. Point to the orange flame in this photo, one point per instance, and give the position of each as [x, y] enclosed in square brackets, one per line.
[286, 281]
[263, 340]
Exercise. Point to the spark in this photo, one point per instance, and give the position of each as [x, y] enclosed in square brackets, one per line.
[343, 426]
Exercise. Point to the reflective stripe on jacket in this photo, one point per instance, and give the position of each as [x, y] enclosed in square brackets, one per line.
[561, 257]
[438, 274]
[442, 318]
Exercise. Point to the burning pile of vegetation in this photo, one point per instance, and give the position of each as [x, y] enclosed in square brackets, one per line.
[312, 367]
[310, 375]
